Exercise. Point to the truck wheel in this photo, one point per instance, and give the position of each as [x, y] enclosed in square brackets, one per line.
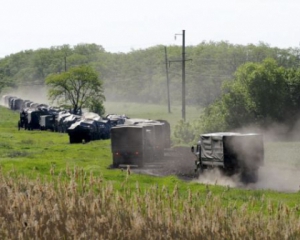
[249, 176]
[199, 169]
[115, 164]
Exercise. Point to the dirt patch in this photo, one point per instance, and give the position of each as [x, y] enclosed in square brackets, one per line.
[179, 161]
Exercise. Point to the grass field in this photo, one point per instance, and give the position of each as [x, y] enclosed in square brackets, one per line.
[52, 188]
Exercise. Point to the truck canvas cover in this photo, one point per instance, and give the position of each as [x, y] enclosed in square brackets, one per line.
[216, 147]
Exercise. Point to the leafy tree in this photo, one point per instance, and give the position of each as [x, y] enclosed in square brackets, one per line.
[79, 86]
[260, 94]
[96, 106]
[261, 90]
[184, 132]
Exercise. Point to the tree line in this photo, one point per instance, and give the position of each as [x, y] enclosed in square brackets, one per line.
[237, 85]
[140, 75]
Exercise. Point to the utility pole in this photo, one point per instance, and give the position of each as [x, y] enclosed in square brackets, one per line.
[183, 60]
[183, 75]
[65, 58]
[168, 81]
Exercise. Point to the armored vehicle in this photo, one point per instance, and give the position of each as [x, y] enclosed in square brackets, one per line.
[47, 122]
[85, 129]
[116, 119]
[231, 152]
[16, 104]
[58, 126]
[23, 122]
[7, 99]
[104, 127]
[27, 103]
[68, 121]
[33, 116]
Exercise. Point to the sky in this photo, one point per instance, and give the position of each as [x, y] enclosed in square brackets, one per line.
[126, 25]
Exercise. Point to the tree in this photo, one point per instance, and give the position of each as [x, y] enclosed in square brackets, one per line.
[79, 86]
[262, 90]
[260, 94]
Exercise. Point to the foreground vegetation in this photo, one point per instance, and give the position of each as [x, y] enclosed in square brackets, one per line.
[88, 207]
[52, 189]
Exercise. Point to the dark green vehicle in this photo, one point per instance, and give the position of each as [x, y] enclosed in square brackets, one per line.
[68, 121]
[132, 145]
[103, 128]
[47, 122]
[83, 130]
[59, 119]
[33, 118]
[23, 122]
[233, 153]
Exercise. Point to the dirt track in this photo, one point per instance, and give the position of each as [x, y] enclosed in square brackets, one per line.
[177, 161]
[181, 163]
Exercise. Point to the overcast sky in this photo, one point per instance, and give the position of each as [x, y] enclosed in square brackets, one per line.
[123, 25]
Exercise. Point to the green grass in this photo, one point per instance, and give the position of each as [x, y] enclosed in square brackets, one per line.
[37, 153]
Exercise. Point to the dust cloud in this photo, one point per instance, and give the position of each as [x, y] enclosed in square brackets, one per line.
[281, 169]
[269, 178]
[278, 178]
[216, 177]
[35, 93]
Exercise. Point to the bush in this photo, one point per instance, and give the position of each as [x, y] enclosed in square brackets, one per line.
[184, 132]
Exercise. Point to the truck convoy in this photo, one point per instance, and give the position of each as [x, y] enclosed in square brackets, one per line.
[233, 153]
[141, 141]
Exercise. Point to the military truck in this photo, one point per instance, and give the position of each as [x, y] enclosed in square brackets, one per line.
[159, 138]
[233, 153]
[132, 145]
[162, 132]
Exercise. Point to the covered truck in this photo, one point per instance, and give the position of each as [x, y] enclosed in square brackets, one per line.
[132, 144]
[234, 153]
